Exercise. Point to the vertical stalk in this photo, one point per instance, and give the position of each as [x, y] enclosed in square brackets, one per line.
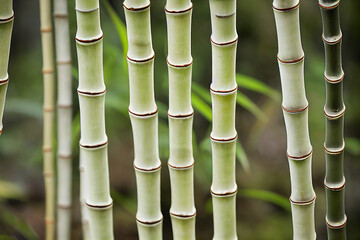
[48, 108]
[144, 120]
[6, 25]
[334, 121]
[181, 161]
[295, 110]
[223, 136]
[93, 142]
[64, 104]
[83, 208]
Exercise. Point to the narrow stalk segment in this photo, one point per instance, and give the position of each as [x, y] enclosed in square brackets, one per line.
[93, 142]
[6, 25]
[144, 118]
[223, 136]
[64, 105]
[334, 121]
[181, 161]
[295, 110]
[48, 109]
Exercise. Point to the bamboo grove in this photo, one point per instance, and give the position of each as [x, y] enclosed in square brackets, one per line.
[96, 204]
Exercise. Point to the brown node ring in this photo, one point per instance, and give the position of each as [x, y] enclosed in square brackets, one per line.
[224, 194]
[91, 93]
[224, 139]
[93, 146]
[136, 9]
[141, 60]
[286, 9]
[300, 157]
[179, 11]
[183, 215]
[149, 222]
[4, 81]
[224, 44]
[291, 61]
[224, 91]
[336, 188]
[336, 227]
[89, 40]
[46, 30]
[99, 206]
[179, 65]
[7, 19]
[333, 117]
[303, 202]
[335, 81]
[181, 115]
[143, 114]
[148, 169]
[182, 168]
[295, 110]
[332, 42]
[329, 7]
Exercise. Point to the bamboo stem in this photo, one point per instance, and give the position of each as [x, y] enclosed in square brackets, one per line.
[295, 110]
[181, 161]
[48, 108]
[144, 120]
[6, 25]
[93, 142]
[223, 136]
[64, 104]
[334, 121]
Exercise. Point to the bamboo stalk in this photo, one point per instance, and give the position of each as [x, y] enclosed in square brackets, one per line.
[143, 115]
[93, 142]
[6, 25]
[223, 136]
[181, 161]
[64, 105]
[334, 114]
[83, 208]
[48, 108]
[295, 110]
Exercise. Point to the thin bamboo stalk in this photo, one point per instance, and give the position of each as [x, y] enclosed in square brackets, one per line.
[48, 108]
[223, 136]
[93, 142]
[144, 120]
[334, 114]
[83, 208]
[64, 104]
[295, 110]
[181, 161]
[6, 25]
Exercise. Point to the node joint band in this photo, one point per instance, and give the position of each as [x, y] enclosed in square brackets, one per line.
[94, 145]
[179, 65]
[336, 80]
[4, 81]
[291, 61]
[183, 215]
[332, 42]
[87, 11]
[136, 9]
[224, 91]
[90, 40]
[182, 168]
[148, 169]
[335, 188]
[99, 206]
[294, 111]
[223, 139]
[181, 115]
[149, 222]
[341, 150]
[336, 116]
[343, 224]
[303, 202]
[299, 157]
[329, 6]
[225, 43]
[4, 20]
[286, 9]
[91, 93]
[225, 194]
[141, 60]
[179, 11]
[144, 114]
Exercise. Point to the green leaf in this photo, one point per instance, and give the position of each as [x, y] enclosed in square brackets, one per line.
[353, 146]
[201, 92]
[201, 107]
[267, 196]
[10, 190]
[257, 86]
[119, 25]
[248, 104]
[241, 157]
[125, 202]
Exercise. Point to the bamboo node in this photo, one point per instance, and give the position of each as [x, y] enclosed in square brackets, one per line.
[180, 115]
[148, 169]
[223, 139]
[62, 106]
[68, 157]
[286, 9]
[183, 215]
[90, 40]
[225, 43]
[179, 11]
[337, 226]
[47, 149]
[303, 202]
[299, 158]
[48, 110]
[294, 111]
[225, 16]
[5, 20]
[4, 81]
[94, 145]
[336, 80]
[179, 65]
[335, 116]
[60, 15]
[91, 93]
[136, 9]
[224, 194]
[341, 187]
[141, 60]
[46, 29]
[63, 62]
[332, 42]
[150, 222]
[48, 174]
[291, 61]
[150, 114]
[49, 221]
[338, 151]
[328, 7]
[182, 168]
[64, 206]
[231, 91]
[86, 11]
[100, 206]
[48, 71]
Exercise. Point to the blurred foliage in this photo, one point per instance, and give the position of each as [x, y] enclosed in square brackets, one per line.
[263, 177]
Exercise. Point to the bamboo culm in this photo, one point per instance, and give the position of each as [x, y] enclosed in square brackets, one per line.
[181, 161]
[223, 136]
[144, 119]
[64, 105]
[6, 25]
[93, 142]
[48, 109]
[334, 121]
[295, 110]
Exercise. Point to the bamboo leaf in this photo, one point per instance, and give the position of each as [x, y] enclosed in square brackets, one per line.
[267, 196]
[257, 86]
[241, 157]
[201, 107]
[248, 104]
[353, 146]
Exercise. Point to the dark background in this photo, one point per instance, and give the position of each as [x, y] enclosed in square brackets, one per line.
[260, 214]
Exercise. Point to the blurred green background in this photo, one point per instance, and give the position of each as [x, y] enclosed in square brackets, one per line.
[262, 168]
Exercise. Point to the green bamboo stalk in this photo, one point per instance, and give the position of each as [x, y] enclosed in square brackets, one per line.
[64, 105]
[48, 108]
[334, 124]
[6, 25]
[295, 110]
[93, 142]
[83, 208]
[223, 136]
[181, 161]
[144, 118]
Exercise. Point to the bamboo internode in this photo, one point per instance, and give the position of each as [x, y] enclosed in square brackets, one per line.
[334, 124]
[6, 25]
[48, 109]
[295, 110]
[223, 136]
[181, 161]
[93, 142]
[144, 118]
[64, 105]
